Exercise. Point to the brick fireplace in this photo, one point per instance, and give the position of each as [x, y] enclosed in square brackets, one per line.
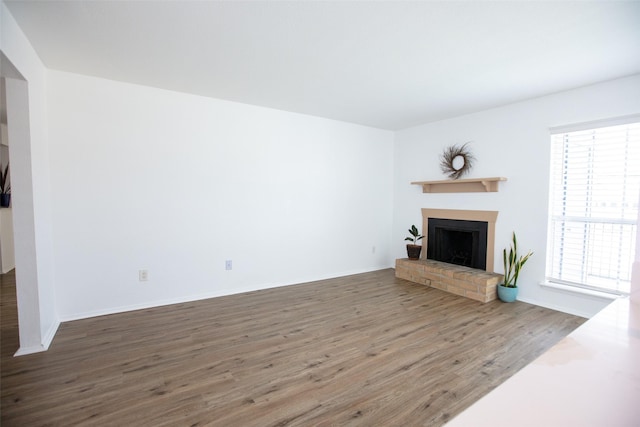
[474, 283]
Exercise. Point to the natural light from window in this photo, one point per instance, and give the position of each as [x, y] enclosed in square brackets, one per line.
[594, 193]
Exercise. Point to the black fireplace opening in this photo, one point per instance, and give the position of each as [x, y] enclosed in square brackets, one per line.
[458, 242]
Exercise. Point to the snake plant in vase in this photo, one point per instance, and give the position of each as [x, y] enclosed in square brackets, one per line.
[508, 291]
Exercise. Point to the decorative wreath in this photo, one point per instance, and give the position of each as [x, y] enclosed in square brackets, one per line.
[456, 161]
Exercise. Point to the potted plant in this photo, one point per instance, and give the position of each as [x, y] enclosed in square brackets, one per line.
[5, 188]
[508, 291]
[413, 249]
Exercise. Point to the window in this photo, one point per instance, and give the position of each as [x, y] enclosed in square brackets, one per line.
[593, 202]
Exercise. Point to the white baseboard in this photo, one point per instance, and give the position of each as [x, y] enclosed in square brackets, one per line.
[141, 306]
[47, 339]
[51, 333]
[29, 350]
[219, 293]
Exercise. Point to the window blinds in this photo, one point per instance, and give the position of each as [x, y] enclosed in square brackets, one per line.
[594, 191]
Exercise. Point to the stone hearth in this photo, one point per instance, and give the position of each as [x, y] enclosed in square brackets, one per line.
[468, 282]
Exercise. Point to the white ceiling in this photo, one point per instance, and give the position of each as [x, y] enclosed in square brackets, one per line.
[386, 64]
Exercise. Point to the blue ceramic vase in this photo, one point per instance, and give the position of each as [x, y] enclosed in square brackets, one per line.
[507, 294]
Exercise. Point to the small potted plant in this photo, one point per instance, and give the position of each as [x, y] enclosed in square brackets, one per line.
[508, 291]
[5, 188]
[413, 249]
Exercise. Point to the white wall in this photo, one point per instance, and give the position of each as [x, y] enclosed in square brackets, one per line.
[26, 110]
[174, 183]
[512, 141]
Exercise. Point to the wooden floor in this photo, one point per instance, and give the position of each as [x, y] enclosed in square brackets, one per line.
[365, 350]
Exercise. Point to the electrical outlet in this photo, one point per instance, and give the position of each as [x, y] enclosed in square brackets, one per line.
[228, 265]
[143, 275]
[373, 249]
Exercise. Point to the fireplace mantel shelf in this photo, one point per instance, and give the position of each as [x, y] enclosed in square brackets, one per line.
[471, 185]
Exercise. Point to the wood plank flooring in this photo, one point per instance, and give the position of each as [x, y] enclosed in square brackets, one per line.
[361, 350]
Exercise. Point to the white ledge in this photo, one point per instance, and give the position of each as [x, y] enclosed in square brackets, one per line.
[580, 291]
